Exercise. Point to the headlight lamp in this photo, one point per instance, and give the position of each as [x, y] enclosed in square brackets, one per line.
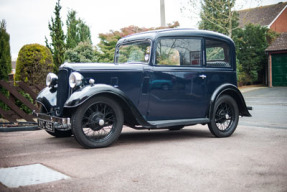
[51, 80]
[75, 79]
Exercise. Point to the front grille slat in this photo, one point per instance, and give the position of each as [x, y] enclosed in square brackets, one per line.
[63, 90]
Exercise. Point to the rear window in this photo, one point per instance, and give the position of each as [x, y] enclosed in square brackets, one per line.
[217, 54]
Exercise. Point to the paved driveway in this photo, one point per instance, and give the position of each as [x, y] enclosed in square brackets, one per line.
[253, 159]
[269, 108]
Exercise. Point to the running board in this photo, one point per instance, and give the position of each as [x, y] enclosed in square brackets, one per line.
[185, 122]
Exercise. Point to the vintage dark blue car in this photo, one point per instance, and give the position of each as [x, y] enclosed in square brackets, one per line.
[167, 78]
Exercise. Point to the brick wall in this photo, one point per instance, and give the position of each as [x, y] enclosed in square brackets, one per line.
[280, 25]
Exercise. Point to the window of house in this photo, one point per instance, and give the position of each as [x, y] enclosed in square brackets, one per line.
[178, 52]
[217, 54]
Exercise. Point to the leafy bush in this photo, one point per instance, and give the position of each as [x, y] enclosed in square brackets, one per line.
[33, 63]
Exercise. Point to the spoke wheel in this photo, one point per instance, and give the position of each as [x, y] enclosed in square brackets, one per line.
[225, 117]
[98, 122]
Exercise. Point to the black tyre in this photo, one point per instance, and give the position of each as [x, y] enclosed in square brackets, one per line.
[224, 119]
[98, 122]
[57, 133]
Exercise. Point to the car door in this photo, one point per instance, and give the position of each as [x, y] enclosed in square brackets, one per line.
[177, 84]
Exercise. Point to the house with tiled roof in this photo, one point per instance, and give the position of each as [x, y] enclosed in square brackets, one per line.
[275, 18]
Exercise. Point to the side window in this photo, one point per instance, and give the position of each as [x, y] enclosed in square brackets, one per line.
[134, 52]
[217, 54]
[178, 52]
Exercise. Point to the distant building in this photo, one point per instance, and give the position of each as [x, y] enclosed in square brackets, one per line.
[275, 18]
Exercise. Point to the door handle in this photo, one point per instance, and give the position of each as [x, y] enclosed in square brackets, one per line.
[202, 76]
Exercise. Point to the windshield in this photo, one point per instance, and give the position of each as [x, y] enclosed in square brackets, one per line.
[135, 52]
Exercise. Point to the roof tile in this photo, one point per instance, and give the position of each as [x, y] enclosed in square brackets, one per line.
[279, 44]
[263, 15]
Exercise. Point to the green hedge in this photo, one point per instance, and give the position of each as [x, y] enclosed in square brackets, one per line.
[33, 63]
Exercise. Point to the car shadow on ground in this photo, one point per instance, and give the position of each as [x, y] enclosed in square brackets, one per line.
[130, 136]
[154, 136]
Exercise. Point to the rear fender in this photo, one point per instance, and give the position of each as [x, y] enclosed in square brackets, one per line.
[234, 92]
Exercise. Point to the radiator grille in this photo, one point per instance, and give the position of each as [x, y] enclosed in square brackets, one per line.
[63, 89]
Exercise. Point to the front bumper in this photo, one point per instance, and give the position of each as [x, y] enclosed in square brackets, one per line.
[50, 123]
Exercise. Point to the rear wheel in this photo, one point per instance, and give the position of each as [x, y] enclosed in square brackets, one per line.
[98, 122]
[225, 117]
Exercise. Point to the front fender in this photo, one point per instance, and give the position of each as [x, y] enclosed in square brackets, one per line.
[47, 98]
[234, 92]
[82, 95]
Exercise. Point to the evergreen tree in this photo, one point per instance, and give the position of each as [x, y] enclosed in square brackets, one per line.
[57, 46]
[82, 53]
[72, 32]
[5, 55]
[84, 31]
[77, 31]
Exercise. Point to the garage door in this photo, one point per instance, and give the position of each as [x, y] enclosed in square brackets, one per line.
[279, 70]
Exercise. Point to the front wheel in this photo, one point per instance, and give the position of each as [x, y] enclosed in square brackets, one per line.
[98, 122]
[224, 119]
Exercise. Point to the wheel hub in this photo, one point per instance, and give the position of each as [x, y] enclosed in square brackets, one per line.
[96, 121]
[101, 122]
[222, 116]
[227, 116]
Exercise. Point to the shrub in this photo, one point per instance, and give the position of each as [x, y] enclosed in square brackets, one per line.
[33, 63]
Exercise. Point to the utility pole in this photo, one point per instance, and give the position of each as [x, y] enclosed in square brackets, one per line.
[162, 13]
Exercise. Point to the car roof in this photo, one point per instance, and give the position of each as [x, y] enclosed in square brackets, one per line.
[154, 34]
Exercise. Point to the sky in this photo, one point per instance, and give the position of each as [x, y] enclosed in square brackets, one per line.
[27, 20]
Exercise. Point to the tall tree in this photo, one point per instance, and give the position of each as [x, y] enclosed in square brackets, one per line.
[72, 31]
[85, 33]
[219, 16]
[77, 31]
[57, 46]
[5, 55]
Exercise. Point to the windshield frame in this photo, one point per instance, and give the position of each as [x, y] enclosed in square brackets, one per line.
[133, 42]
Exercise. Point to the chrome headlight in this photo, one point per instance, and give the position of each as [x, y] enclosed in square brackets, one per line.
[51, 80]
[75, 79]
